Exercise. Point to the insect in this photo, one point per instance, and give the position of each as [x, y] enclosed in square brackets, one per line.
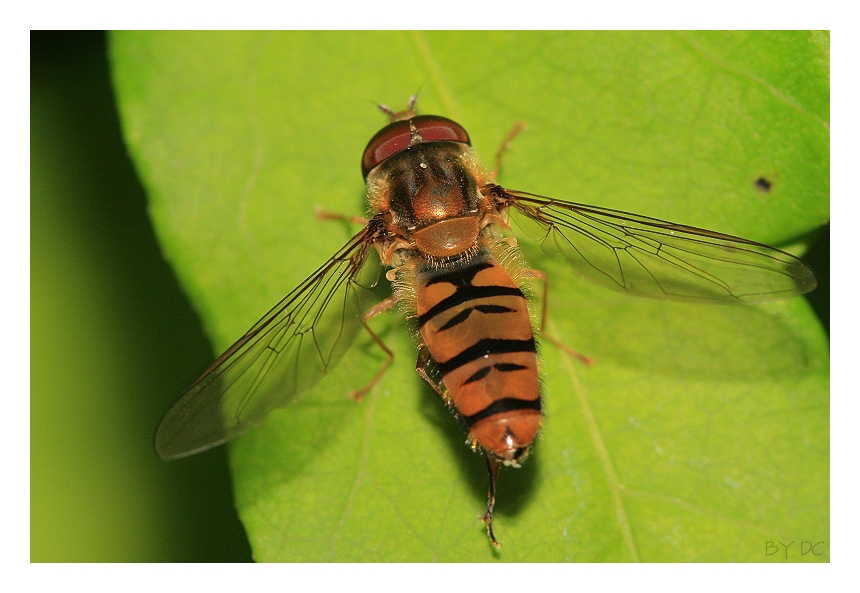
[438, 223]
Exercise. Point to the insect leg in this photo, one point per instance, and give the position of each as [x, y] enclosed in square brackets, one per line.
[539, 275]
[506, 144]
[421, 369]
[373, 312]
[323, 215]
[493, 469]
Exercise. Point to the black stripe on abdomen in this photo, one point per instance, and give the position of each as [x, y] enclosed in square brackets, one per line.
[483, 348]
[502, 405]
[504, 367]
[464, 314]
[465, 294]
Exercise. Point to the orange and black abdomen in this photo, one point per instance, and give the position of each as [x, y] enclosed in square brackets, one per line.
[474, 320]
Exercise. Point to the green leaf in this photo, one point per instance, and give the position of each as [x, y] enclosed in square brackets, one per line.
[700, 433]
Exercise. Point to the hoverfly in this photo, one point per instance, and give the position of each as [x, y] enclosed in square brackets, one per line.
[438, 222]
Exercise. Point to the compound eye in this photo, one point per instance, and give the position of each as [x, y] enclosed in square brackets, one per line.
[388, 141]
[433, 128]
[400, 135]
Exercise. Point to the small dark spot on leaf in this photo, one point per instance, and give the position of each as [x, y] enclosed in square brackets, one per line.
[763, 184]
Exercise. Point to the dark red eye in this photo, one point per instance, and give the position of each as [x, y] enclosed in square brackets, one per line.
[397, 136]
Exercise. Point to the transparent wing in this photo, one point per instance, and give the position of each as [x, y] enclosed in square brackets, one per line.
[654, 258]
[282, 356]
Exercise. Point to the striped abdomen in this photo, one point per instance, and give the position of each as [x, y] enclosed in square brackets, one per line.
[475, 323]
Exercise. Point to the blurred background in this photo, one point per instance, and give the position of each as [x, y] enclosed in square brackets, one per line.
[114, 340]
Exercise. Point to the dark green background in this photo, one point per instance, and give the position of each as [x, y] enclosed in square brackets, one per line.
[114, 340]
